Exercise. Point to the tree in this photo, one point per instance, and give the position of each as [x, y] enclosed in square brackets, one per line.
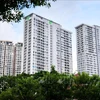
[11, 10]
[55, 86]
[24, 89]
[7, 95]
[40, 74]
[3, 83]
[86, 87]
[50, 86]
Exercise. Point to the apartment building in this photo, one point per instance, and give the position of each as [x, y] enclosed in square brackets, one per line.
[6, 58]
[10, 58]
[46, 44]
[88, 49]
[97, 32]
[18, 48]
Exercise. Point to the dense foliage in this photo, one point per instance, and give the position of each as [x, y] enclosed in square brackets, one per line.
[50, 86]
[11, 10]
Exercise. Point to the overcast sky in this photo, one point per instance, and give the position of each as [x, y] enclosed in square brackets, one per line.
[68, 13]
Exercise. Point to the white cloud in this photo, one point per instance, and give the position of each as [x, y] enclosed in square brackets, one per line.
[7, 32]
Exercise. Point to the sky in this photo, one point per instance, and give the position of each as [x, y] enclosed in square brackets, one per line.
[68, 13]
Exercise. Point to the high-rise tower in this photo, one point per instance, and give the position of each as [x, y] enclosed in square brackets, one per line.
[6, 58]
[46, 44]
[17, 65]
[88, 49]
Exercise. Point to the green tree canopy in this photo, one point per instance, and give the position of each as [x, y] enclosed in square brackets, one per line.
[50, 86]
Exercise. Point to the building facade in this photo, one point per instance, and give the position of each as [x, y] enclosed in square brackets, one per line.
[46, 44]
[6, 58]
[97, 32]
[10, 58]
[18, 48]
[88, 49]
